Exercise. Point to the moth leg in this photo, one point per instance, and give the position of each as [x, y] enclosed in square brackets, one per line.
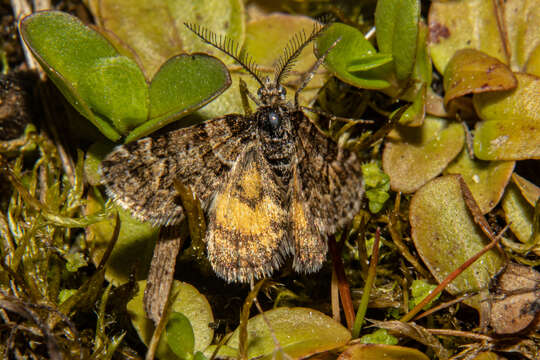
[334, 117]
[309, 75]
[244, 94]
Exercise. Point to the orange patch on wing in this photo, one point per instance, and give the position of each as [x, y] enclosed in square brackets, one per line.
[234, 214]
[251, 183]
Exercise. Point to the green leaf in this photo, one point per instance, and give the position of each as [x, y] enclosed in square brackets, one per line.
[115, 89]
[369, 62]
[65, 294]
[155, 31]
[266, 39]
[471, 71]
[109, 89]
[445, 236]
[486, 179]
[419, 290]
[414, 155]
[533, 64]
[199, 356]
[351, 48]
[300, 332]
[380, 336]
[75, 261]
[67, 49]
[511, 126]
[520, 215]
[180, 336]
[377, 186]
[397, 32]
[522, 20]
[182, 85]
[133, 248]
[460, 24]
[190, 303]
[415, 114]
[381, 351]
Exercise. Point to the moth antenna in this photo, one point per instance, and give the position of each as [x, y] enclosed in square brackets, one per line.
[293, 49]
[227, 46]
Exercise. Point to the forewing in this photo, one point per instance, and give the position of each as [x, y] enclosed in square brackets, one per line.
[330, 177]
[139, 176]
[248, 221]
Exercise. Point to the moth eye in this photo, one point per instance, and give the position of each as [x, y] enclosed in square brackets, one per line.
[274, 119]
[260, 92]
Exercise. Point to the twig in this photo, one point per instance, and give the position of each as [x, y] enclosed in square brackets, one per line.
[343, 285]
[334, 296]
[21, 8]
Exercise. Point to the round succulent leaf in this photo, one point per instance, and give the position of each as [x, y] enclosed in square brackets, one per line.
[455, 25]
[230, 101]
[64, 43]
[519, 215]
[471, 71]
[268, 36]
[189, 302]
[115, 89]
[522, 20]
[397, 32]
[300, 331]
[533, 63]
[486, 179]
[182, 85]
[351, 48]
[180, 337]
[133, 248]
[66, 49]
[380, 351]
[446, 236]
[511, 126]
[414, 155]
[530, 191]
[155, 29]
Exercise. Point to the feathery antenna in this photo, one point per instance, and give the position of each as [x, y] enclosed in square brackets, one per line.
[293, 49]
[229, 47]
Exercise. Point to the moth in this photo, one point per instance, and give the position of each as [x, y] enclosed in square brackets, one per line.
[271, 183]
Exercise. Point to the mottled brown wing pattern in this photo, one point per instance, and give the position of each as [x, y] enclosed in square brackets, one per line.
[329, 178]
[139, 175]
[308, 242]
[248, 221]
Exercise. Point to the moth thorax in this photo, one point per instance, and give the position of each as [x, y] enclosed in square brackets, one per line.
[275, 135]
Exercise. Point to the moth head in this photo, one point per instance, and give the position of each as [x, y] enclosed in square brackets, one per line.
[271, 93]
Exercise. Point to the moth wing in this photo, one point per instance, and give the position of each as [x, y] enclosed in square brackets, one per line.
[139, 176]
[308, 245]
[248, 221]
[330, 178]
